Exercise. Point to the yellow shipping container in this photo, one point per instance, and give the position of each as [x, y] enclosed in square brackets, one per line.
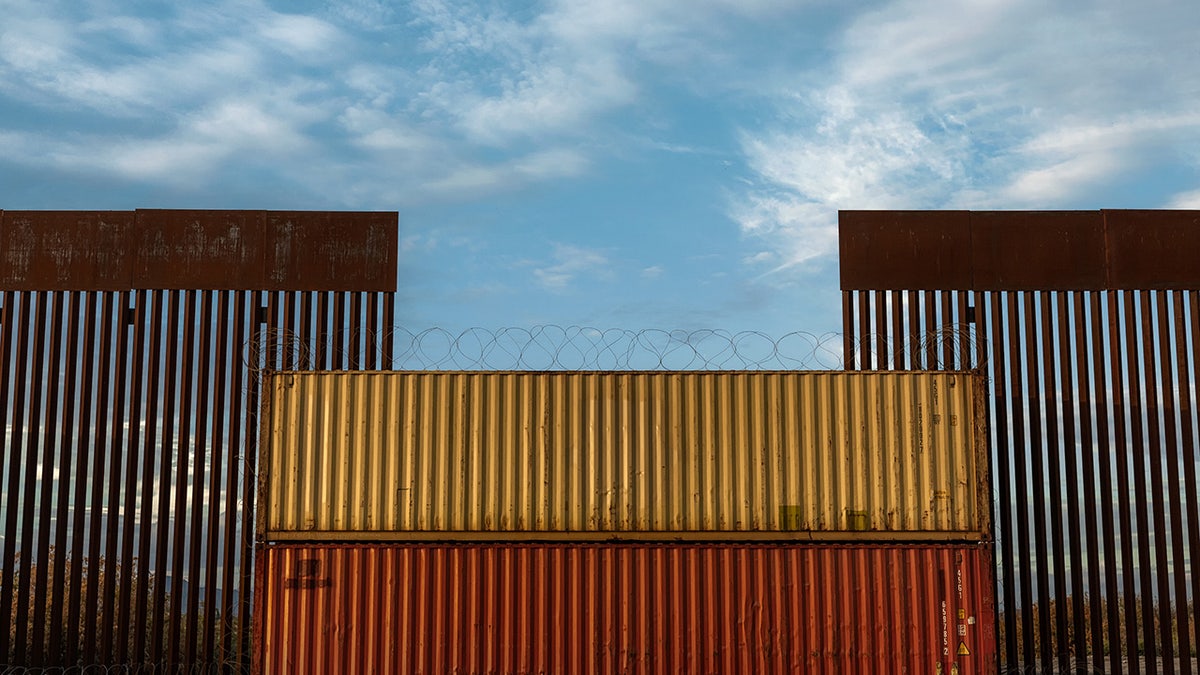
[624, 455]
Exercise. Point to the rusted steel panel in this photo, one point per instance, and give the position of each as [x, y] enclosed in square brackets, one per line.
[342, 251]
[178, 249]
[634, 609]
[663, 456]
[65, 250]
[160, 249]
[1153, 249]
[904, 250]
[1036, 250]
[1019, 250]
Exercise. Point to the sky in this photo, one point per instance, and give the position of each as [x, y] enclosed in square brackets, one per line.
[668, 164]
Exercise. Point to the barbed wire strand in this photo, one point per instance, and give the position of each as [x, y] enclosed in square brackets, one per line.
[583, 348]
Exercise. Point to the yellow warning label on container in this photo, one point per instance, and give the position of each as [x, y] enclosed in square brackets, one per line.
[962, 649]
[791, 518]
[962, 613]
[857, 521]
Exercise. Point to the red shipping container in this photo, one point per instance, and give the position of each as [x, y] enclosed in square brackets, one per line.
[573, 609]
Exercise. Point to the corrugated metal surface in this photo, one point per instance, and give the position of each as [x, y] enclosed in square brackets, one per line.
[633, 455]
[578, 609]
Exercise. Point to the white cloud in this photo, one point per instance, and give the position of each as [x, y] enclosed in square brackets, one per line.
[299, 35]
[1185, 200]
[569, 262]
[394, 104]
[253, 130]
[105, 63]
[374, 129]
[474, 178]
[1068, 160]
[549, 98]
[1003, 104]
[800, 230]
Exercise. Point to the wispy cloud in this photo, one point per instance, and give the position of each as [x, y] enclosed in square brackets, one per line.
[1185, 200]
[439, 96]
[569, 262]
[1004, 105]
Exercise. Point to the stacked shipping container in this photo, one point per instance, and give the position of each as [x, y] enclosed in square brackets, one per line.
[450, 523]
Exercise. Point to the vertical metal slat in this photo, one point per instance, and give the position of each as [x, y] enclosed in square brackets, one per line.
[231, 579]
[1158, 500]
[49, 434]
[200, 462]
[1071, 523]
[1191, 375]
[176, 637]
[150, 452]
[1084, 339]
[1168, 362]
[1036, 396]
[162, 607]
[1053, 449]
[250, 463]
[1001, 474]
[12, 463]
[1020, 449]
[213, 530]
[64, 636]
[1120, 448]
[133, 573]
[109, 648]
[28, 496]
[79, 577]
[1135, 337]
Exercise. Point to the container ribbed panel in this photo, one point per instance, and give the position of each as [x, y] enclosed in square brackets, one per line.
[634, 608]
[789, 455]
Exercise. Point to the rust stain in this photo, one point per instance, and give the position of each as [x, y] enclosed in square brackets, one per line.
[198, 249]
[1019, 250]
[67, 250]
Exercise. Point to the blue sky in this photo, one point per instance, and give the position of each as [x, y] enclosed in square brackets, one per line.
[625, 163]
